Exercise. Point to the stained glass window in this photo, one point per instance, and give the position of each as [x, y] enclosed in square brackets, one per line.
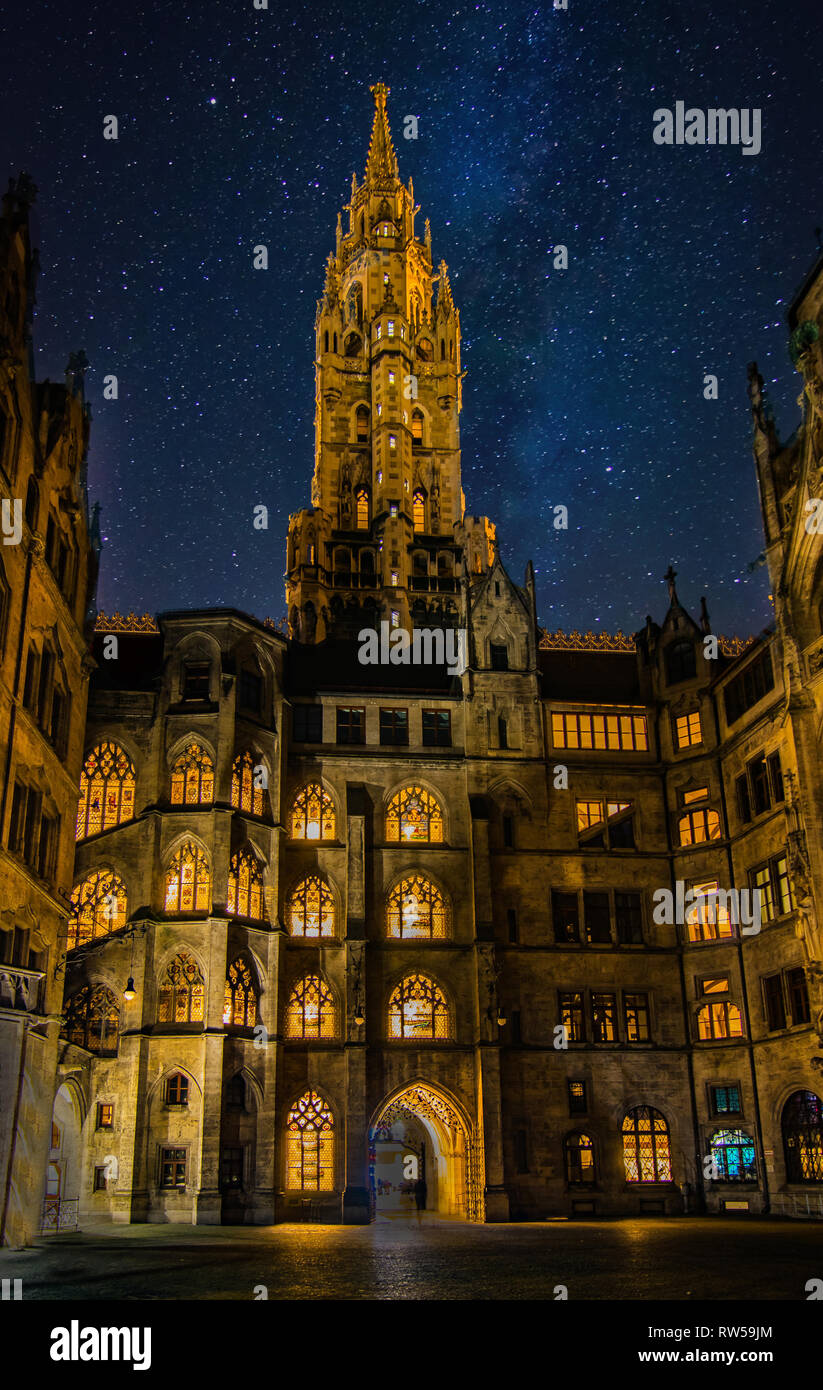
[579, 1159]
[310, 1012]
[646, 1148]
[312, 814]
[361, 502]
[414, 814]
[181, 992]
[733, 1154]
[91, 1020]
[248, 783]
[418, 1009]
[310, 1145]
[98, 908]
[240, 1003]
[419, 511]
[417, 909]
[188, 881]
[310, 910]
[106, 790]
[802, 1125]
[192, 777]
[245, 895]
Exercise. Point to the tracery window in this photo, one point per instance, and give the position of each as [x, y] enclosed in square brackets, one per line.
[310, 1012]
[248, 783]
[240, 1000]
[414, 814]
[106, 790]
[580, 1169]
[312, 814]
[733, 1154]
[361, 505]
[310, 910]
[719, 1020]
[192, 777]
[182, 991]
[695, 827]
[419, 511]
[91, 1020]
[98, 908]
[188, 881]
[245, 894]
[310, 1145]
[417, 908]
[707, 919]
[417, 426]
[646, 1148]
[418, 1009]
[802, 1125]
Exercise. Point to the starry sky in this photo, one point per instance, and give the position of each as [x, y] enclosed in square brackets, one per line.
[584, 387]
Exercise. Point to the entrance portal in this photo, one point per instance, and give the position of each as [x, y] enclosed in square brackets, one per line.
[420, 1134]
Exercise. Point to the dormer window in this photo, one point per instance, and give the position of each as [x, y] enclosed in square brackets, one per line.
[681, 662]
[499, 656]
[196, 680]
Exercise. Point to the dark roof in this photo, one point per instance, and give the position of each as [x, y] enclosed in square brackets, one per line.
[333, 665]
[593, 677]
[137, 666]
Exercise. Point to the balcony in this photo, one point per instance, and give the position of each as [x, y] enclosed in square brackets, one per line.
[20, 989]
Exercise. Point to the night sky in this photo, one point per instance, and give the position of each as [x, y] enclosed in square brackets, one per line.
[583, 387]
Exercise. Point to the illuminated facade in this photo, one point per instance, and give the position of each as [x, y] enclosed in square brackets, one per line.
[330, 918]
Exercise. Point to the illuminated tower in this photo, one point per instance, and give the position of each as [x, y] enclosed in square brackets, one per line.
[386, 536]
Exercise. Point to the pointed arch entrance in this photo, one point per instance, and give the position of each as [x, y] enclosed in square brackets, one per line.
[421, 1130]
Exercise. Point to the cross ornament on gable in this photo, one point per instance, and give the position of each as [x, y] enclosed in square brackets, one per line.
[670, 576]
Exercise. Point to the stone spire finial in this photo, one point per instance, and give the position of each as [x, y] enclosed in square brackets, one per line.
[382, 160]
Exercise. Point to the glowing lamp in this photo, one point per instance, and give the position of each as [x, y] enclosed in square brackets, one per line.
[130, 992]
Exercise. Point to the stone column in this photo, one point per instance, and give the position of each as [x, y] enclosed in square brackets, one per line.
[356, 1197]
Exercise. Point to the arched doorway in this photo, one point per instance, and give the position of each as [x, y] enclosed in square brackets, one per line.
[420, 1132]
[62, 1190]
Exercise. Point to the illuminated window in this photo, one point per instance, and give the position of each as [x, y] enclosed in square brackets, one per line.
[192, 777]
[604, 1018]
[417, 909]
[733, 1154]
[245, 895]
[646, 1149]
[707, 919]
[719, 1020]
[240, 1000]
[419, 511]
[417, 426]
[312, 814]
[570, 1009]
[636, 1017]
[362, 423]
[310, 1012]
[771, 881]
[310, 1145]
[248, 782]
[390, 328]
[106, 790]
[414, 814]
[578, 1104]
[310, 910]
[105, 1116]
[605, 824]
[802, 1126]
[714, 984]
[91, 1020]
[188, 881]
[98, 908]
[625, 731]
[579, 1160]
[361, 503]
[181, 993]
[391, 373]
[688, 729]
[418, 1010]
[392, 441]
[172, 1168]
[696, 827]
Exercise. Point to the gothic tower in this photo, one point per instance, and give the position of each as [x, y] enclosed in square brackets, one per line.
[386, 536]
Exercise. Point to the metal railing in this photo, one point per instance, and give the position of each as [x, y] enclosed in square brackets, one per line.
[59, 1214]
[806, 1205]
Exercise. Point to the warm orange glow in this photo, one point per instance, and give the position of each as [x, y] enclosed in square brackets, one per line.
[646, 1149]
[188, 881]
[240, 1000]
[310, 1145]
[310, 1012]
[192, 777]
[107, 785]
[708, 920]
[688, 729]
[245, 895]
[698, 826]
[625, 731]
[419, 511]
[361, 503]
[414, 814]
[181, 992]
[417, 908]
[247, 789]
[418, 1010]
[720, 1020]
[92, 1019]
[312, 814]
[310, 910]
[98, 908]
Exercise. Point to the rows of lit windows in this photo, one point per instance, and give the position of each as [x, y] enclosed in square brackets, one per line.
[624, 732]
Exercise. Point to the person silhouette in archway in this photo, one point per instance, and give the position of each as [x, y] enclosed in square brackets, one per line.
[420, 1195]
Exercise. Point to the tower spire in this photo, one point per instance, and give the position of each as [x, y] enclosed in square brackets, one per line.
[382, 160]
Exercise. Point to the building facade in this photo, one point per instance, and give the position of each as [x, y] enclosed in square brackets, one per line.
[540, 928]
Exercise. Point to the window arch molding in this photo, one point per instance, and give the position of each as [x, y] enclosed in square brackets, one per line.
[103, 751]
[158, 1087]
[407, 785]
[296, 791]
[195, 647]
[630, 1119]
[403, 978]
[440, 918]
[330, 885]
[180, 745]
[164, 981]
[246, 882]
[360, 412]
[116, 885]
[328, 1026]
[178, 844]
[292, 1156]
[93, 1008]
[241, 993]
[245, 796]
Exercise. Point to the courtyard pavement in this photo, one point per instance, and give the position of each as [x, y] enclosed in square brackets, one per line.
[680, 1258]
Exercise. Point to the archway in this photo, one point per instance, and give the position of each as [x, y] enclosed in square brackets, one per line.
[62, 1191]
[420, 1133]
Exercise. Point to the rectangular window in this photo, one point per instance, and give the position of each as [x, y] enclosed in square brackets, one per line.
[196, 680]
[251, 691]
[604, 1018]
[597, 917]
[707, 918]
[307, 723]
[437, 728]
[625, 732]
[566, 917]
[18, 817]
[774, 1003]
[172, 1168]
[105, 1116]
[771, 881]
[578, 1101]
[177, 1089]
[570, 1008]
[696, 827]
[47, 849]
[713, 984]
[30, 682]
[231, 1167]
[605, 824]
[394, 727]
[520, 1156]
[725, 1100]
[628, 916]
[99, 1184]
[798, 995]
[351, 725]
[499, 655]
[775, 776]
[759, 781]
[749, 687]
[636, 1017]
[688, 731]
[511, 918]
[744, 804]
[34, 802]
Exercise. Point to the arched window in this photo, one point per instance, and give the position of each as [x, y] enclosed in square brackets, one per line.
[240, 1004]
[414, 814]
[681, 662]
[733, 1154]
[236, 1092]
[719, 1020]
[310, 1012]
[310, 1145]
[106, 790]
[696, 827]
[361, 502]
[91, 1020]
[646, 1149]
[418, 1010]
[579, 1151]
[248, 782]
[417, 426]
[245, 895]
[419, 510]
[417, 909]
[192, 777]
[188, 881]
[98, 908]
[802, 1125]
[181, 992]
[312, 814]
[362, 423]
[310, 910]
